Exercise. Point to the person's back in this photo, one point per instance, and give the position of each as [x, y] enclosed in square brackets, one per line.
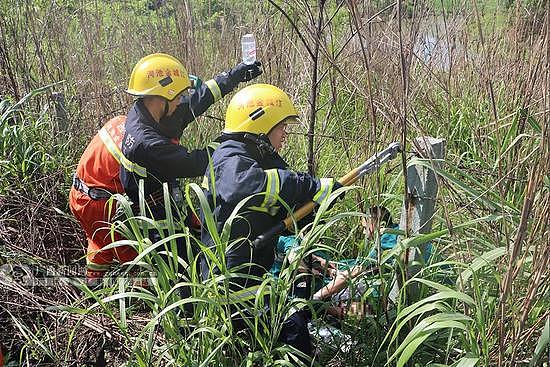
[98, 166]
[95, 180]
[247, 166]
[162, 158]
[240, 173]
[156, 121]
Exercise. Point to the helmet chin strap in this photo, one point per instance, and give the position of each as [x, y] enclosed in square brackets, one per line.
[262, 142]
[166, 108]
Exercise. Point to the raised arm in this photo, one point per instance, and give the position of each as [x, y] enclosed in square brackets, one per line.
[213, 90]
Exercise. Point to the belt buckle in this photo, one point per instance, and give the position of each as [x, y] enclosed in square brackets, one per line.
[93, 193]
[97, 193]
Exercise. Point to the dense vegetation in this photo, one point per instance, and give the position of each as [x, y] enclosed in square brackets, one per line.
[363, 74]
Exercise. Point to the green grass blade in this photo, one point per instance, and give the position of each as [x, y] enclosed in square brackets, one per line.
[411, 348]
[466, 362]
[481, 261]
[542, 343]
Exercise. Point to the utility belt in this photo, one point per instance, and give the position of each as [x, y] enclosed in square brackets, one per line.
[152, 200]
[94, 193]
[154, 206]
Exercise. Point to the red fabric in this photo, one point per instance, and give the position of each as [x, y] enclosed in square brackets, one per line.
[98, 168]
[194, 221]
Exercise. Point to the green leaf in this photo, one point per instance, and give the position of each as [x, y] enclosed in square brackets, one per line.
[32, 336]
[437, 297]
[512, 145]
[115, 297]
[419, 239]
[16, 107]
[423, 330]
[206, 211]
[410, 349]
[423, 238]
[534, 124]
[466, 362]
[437, 286]
[418, 311]
[542, 343]
[474, 188]
[215, 350]
[480, 262]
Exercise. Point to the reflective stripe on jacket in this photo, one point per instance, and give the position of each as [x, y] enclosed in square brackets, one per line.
[156, 147]
[98, 167]
[239, 173]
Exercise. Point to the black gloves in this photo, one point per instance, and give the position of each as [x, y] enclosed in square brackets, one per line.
[244, 72]
[340, 196]
[335, 186]
[229, 80]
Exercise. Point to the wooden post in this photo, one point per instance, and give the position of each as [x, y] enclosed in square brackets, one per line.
[422, 187]
[422, 193]
[58, 99]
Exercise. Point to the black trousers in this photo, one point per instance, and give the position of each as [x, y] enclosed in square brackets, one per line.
[296, 334]
[294, 331]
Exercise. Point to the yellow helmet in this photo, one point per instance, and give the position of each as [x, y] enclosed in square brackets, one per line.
[257, 109]
[158, 75]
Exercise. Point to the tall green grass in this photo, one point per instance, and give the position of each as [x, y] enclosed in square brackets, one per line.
[483, 300]
[440, 317]
[444, 314]
[25, 152]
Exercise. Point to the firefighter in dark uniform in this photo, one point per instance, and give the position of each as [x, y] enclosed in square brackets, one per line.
[97, 176]
[157, 120]
[247, 166]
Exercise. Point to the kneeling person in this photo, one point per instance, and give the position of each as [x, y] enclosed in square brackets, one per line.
[247, 166]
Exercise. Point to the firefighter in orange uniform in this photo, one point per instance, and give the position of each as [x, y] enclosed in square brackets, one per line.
[96, 179]
[97, 176]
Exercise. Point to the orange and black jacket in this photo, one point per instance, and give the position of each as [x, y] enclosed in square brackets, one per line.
[154, 149]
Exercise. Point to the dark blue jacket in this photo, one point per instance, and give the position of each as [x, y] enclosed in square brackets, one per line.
[241, 172]
[154, 147]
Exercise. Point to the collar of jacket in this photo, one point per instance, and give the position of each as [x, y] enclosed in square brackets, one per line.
[144, 115]
[257, 145]
[267, 161]
[167, 126]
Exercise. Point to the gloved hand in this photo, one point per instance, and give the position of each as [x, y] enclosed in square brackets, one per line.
[324, 193]
[336, 186]
[244, 72]
[340, 196]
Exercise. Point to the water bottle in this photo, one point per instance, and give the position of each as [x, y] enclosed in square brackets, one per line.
[248, 44]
